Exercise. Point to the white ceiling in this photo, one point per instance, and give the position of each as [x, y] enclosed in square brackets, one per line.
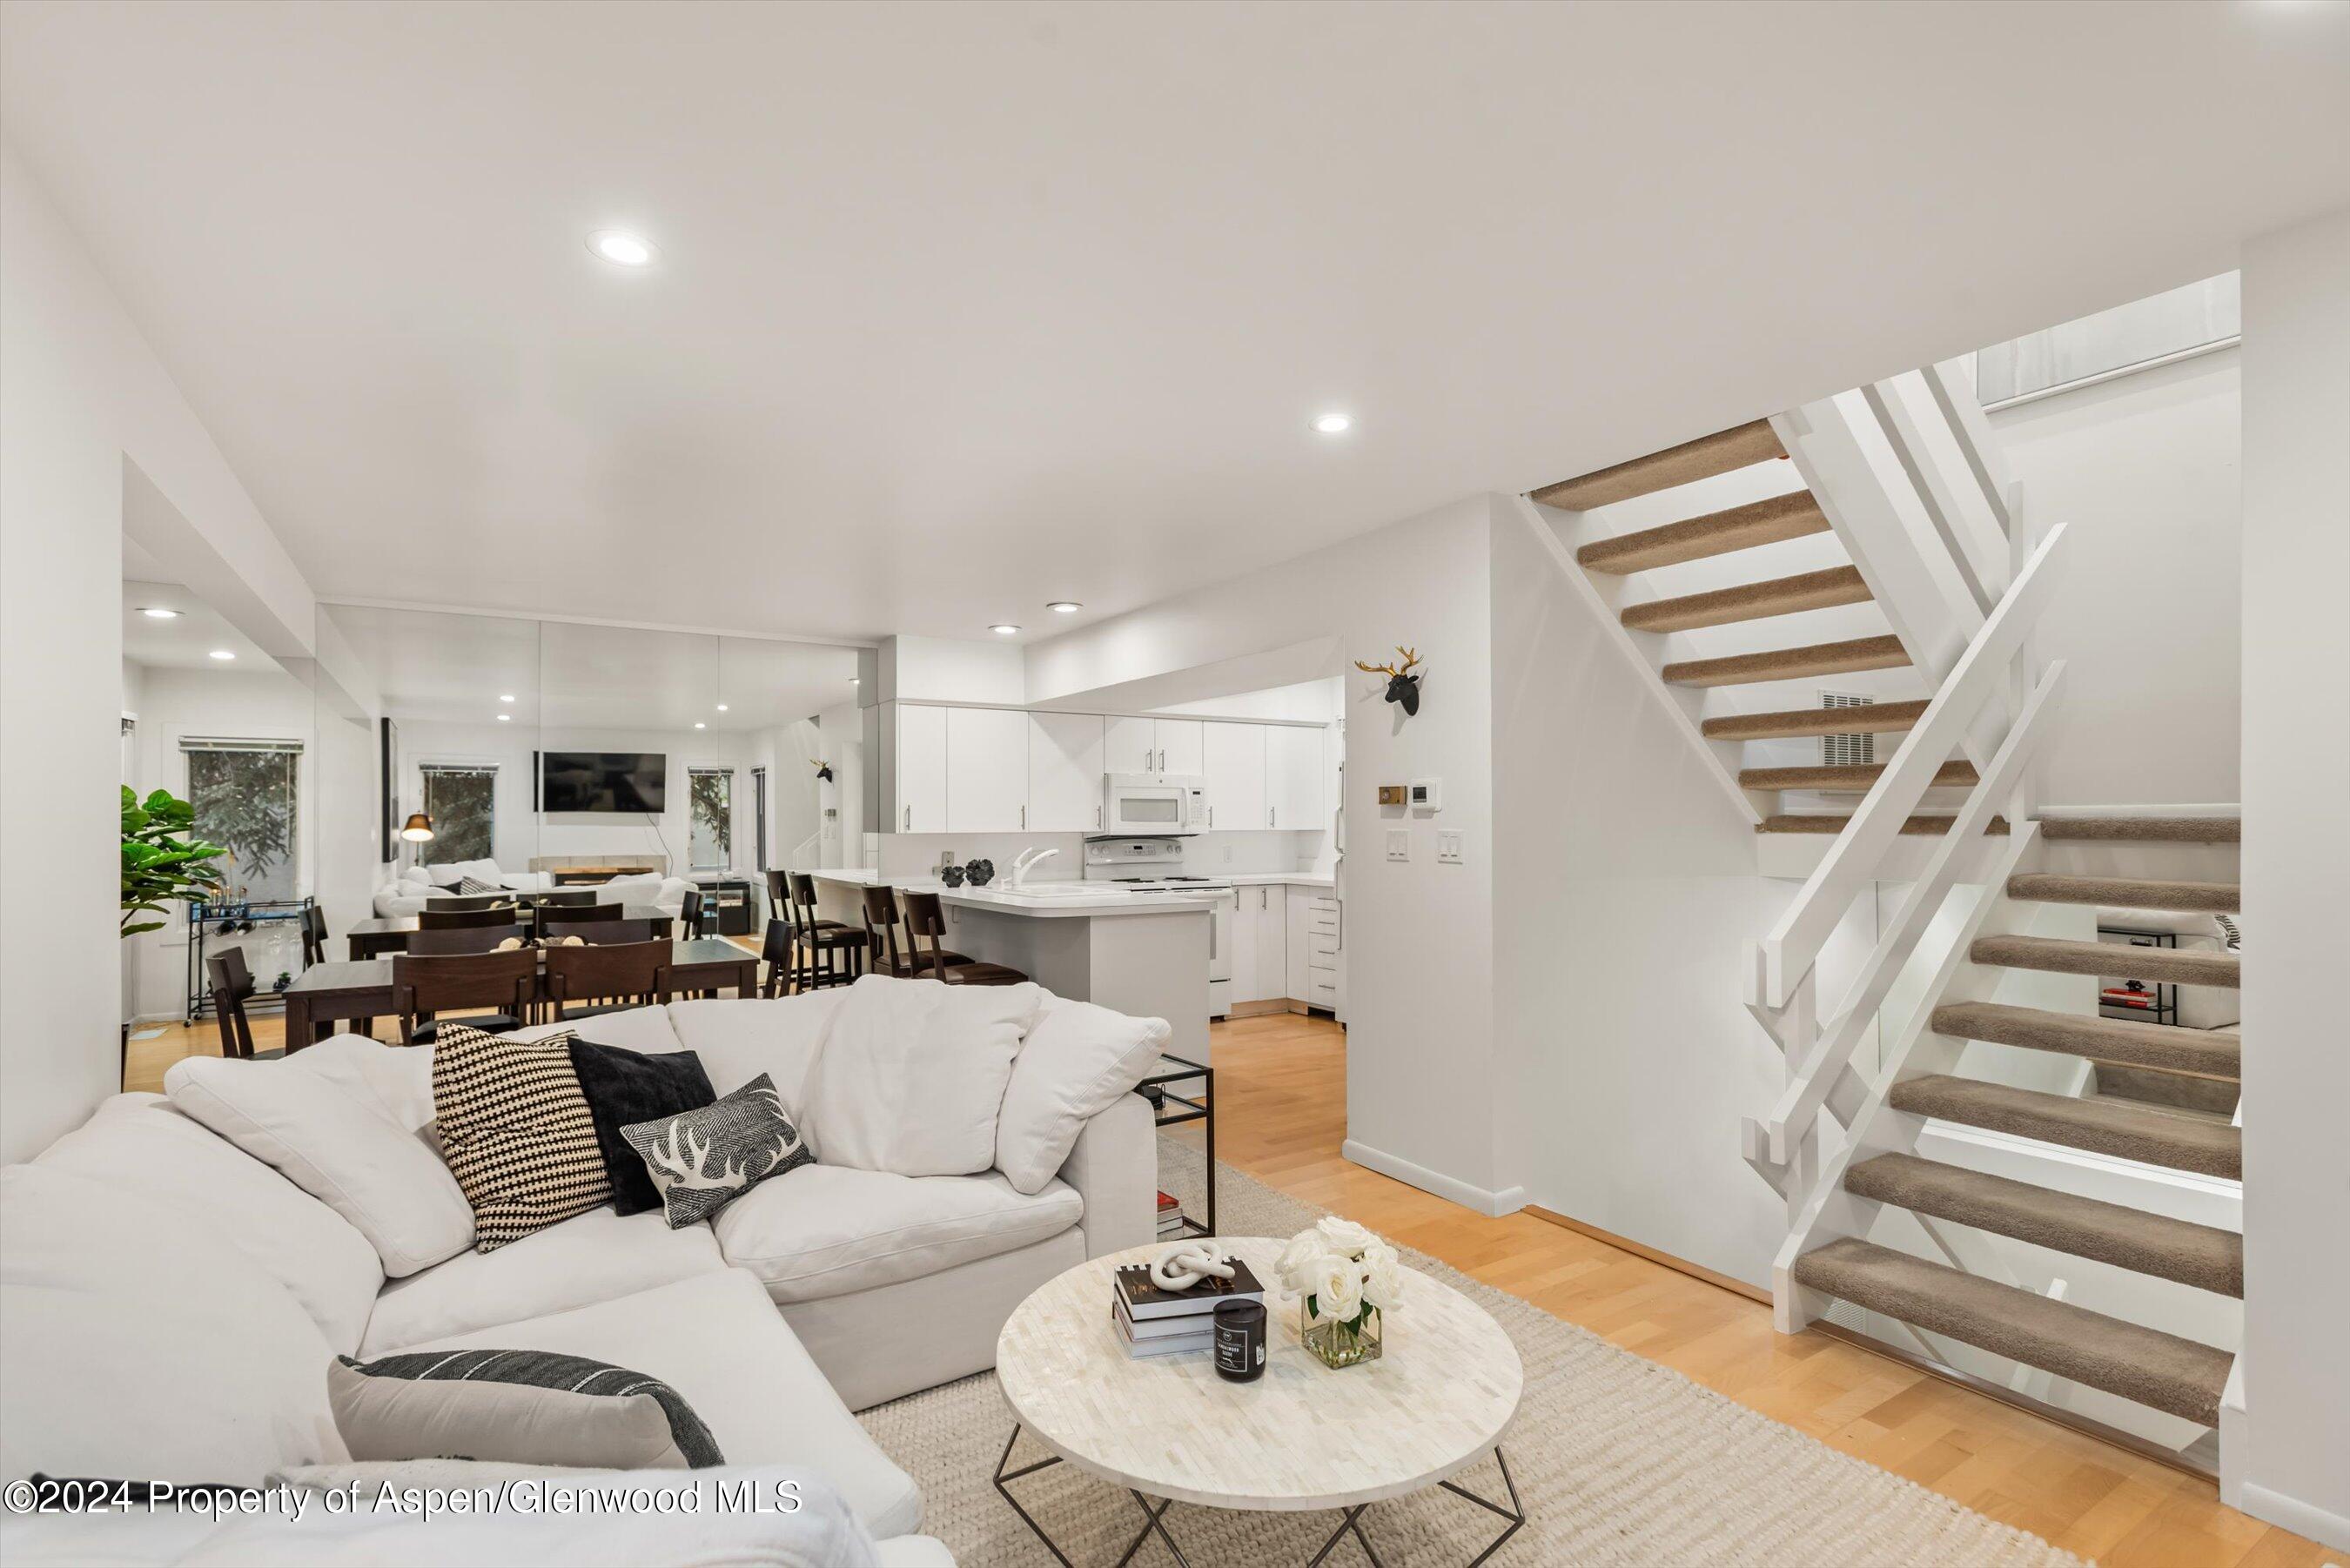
[186, 641]
[966, 307]
[453, 669]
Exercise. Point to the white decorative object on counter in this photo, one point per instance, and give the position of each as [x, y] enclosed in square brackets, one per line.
[1180, 1267]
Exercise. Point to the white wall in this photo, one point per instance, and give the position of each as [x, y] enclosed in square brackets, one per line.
[2296, 863]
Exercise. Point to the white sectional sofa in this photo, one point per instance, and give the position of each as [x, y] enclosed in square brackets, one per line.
[170, 1304]
[418, 886]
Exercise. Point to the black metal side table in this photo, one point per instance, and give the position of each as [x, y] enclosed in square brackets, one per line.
[1170, 1109]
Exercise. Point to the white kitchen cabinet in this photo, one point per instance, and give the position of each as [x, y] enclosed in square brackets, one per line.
[1296, 795]
[920, 771]
[1261, 943]
[1154, 746]
[1064, 772]
[1316, 938]
[987, 770]
[1233, 762]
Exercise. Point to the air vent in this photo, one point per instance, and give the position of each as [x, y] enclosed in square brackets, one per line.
[1847, 751]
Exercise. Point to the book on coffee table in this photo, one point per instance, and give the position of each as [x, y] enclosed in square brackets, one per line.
[1144, 1300]
[1152, 1338]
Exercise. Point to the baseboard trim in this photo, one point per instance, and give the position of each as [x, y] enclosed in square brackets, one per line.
[1679, 1266]
[1258, 1009]
[2301, 1518]
[1483, 1200]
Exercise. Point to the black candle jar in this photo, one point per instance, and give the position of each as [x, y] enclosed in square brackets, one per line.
[1240, 1340]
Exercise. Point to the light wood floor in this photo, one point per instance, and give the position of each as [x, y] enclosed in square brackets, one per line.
[1282, 1082]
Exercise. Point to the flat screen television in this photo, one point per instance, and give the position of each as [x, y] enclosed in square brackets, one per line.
[603, 781]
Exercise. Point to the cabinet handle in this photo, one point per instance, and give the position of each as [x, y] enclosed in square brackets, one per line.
[1272, 816]
[910, 819]
[1211, 816]
[1023, 818]
[1096, 816]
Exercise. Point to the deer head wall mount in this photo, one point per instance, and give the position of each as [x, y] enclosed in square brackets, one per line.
[1403, 686]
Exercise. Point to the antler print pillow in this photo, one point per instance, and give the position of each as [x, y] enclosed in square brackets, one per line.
[702, 1160]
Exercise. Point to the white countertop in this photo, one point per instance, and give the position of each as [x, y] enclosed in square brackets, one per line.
[1278, 878]
[1109, 901]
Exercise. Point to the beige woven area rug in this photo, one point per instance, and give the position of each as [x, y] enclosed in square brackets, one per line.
[1617, 1459]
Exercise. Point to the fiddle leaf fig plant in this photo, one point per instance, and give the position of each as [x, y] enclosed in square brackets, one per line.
[159, 866]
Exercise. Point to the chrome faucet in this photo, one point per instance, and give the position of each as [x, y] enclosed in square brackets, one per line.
[1028, 861]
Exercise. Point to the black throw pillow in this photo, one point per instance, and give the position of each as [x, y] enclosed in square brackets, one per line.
[624, 1087]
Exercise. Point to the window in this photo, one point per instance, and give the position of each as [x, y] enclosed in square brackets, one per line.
[710, 845]
[243, 795]
[2137, 335]
[462, 800]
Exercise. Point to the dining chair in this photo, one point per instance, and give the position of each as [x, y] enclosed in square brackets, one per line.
[474, 901]
[883, 955]
[437, 917]
[603, 933]
[926, 921]
[231, 983]
[314, 935]
[611, 978]
[565, 899]
[424, 986]
[775, 950]
[442, 940]
[583, 913]
[689, 915]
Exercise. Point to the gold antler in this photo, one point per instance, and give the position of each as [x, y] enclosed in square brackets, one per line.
[1410, 657]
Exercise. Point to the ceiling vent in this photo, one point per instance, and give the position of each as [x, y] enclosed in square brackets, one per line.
[1847, 751]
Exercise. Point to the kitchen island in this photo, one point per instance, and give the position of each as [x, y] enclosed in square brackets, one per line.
[1146, 954]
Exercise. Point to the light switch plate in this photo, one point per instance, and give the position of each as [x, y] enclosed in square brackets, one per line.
[1447, 848]
[1399, 844]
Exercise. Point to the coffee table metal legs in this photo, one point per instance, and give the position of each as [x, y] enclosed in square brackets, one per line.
[1153, 1514]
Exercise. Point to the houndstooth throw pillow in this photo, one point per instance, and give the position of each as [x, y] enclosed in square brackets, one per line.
[516, 1132]
[475, 885]
[702, 1160]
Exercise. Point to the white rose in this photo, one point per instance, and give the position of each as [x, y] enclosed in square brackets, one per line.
[1343, 1235]
[1297, 1260]
[1339, 1288]
[1383, 1277]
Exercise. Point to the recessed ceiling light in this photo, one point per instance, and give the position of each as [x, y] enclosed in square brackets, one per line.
[1065, 606]
[700, 725]
[505, 718]
[224, 653]
[856, 680]
[722, 707]
[505, 696]
[622, 248]
[1334, 424]
[1003, 630]
[157, 612]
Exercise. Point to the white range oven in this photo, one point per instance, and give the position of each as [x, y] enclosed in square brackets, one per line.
[1154, 864]
[1155, 805]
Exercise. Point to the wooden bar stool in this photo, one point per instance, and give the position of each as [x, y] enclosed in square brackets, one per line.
[881, 939]
[927, 922]
[826, 952]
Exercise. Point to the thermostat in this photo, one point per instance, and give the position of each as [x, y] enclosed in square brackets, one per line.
[1391, 794]
[1427, 794]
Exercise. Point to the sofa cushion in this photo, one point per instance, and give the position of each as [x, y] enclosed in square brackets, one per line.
[828, 1230]
[701, 1161]
[737, 1040]
[912, 1073]
[639, 889]
[395, 1079]
[594, 1257]
[643, 1028]
[142, 1343]
[516, 1406]
[629, 1086]
[1076, 1061]
[516, 1130]
[385, 1179]
[141, 1145]
[718, 1341]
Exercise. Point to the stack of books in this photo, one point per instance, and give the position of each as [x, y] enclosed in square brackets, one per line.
[1155, 1321]
[1170, 1217]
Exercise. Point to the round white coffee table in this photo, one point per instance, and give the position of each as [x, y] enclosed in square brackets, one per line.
[1302, 1436]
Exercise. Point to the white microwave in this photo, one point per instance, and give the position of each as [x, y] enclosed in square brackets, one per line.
[1153, 805]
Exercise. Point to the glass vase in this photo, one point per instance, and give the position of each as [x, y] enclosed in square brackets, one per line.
[1338, 1344]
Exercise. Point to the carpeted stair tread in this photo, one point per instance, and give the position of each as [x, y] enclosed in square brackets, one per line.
[1767, 522]
[1861, 719]
[2100, 1127]
[1750, 601]
[2053, 955]
[1790, 663]
[2126, 892]
[2143, 830]
[2132, 1239]
[2179, 1376]
[2205, 1053]
[1692, 460]
[1854, 778]
[1830, 824]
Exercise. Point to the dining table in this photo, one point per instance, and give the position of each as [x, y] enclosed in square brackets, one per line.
[381, 934]
[361, 987]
